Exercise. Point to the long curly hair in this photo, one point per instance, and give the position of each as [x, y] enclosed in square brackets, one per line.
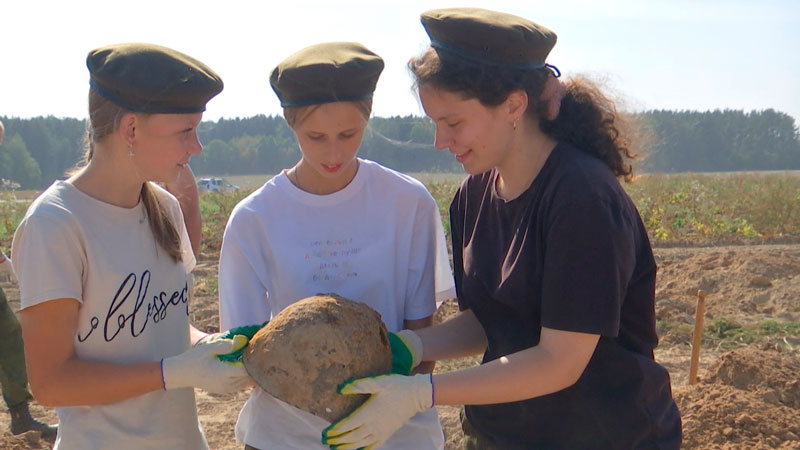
[588, 118]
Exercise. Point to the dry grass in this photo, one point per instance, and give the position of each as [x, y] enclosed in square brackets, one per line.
[681, 209]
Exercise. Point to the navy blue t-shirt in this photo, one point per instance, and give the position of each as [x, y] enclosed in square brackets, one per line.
[570, 253]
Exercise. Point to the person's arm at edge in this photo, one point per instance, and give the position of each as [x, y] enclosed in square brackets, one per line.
[58, 378]
[184, 188]
[460, 336]
[555, 364]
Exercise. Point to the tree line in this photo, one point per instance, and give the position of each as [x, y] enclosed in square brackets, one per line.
[720, 141]
[39, 150]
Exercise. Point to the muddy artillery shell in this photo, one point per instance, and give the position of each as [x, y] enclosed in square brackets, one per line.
[303, 354]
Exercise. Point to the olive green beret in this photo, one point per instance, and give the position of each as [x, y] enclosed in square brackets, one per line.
[324, 73]
[489, 37]
[151, 79]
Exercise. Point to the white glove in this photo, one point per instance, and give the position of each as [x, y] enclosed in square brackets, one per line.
[199, 367]
[394, 400]
[212, 337]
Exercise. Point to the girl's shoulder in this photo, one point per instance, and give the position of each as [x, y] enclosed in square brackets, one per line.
[274, 189]
[575, 173]
[274, 199]
[53, 217]
[164, 195]
[474, 187]
[386, 179]
[169, 202]
[59, 202]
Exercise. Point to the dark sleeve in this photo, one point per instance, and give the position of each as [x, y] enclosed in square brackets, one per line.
[457, 239]
[588, 261]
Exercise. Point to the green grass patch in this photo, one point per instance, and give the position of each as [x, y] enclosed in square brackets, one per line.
[726, 334]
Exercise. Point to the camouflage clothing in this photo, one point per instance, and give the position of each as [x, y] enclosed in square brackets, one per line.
[13, 377]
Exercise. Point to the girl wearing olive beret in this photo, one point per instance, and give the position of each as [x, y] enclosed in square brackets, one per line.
[332, 223]
[554, 272]
[103, 260]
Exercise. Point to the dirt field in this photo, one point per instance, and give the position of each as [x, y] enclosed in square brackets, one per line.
[748, 398]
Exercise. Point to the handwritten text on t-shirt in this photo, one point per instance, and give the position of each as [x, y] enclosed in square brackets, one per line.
[132, 315]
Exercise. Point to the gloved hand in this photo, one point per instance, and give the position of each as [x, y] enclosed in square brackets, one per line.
[394, 400]
[200, 367]
[234, 357]
[406, 351]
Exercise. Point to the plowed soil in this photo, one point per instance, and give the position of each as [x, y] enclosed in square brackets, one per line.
[747, 398]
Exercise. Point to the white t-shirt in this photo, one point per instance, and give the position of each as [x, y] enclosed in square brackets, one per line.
[133, 309]
[379, 241]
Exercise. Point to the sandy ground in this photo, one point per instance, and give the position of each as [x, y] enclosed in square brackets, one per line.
[747, 398]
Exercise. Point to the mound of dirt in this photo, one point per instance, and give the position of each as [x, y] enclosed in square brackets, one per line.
[748, 399]
[748, 284]
[26, 441]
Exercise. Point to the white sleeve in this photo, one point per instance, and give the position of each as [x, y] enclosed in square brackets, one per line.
[444, 282]
[429, 279]
[242, 291]
[49, 261]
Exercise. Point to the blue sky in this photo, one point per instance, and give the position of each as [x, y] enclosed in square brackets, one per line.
[654, 54]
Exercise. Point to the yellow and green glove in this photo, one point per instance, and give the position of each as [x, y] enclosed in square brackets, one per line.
[406, 351]
[394, 400]
[234, 357]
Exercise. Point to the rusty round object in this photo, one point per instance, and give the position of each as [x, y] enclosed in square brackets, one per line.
[305, 352]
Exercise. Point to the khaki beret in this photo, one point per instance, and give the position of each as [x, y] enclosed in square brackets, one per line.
[152, 79]
[489, 37]
[324, 73]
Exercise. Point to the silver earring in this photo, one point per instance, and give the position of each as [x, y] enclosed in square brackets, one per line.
[130, 152]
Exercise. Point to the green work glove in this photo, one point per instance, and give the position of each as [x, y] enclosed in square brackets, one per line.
[234, 357]
[406, 351]
[200, 367]
[394, 400]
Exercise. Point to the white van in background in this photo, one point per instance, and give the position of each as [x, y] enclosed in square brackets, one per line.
[215, 184]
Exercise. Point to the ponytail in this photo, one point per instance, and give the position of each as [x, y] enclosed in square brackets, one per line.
[589, 121]
[164, 232]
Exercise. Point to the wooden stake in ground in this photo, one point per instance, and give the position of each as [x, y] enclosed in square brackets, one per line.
[698, 335]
